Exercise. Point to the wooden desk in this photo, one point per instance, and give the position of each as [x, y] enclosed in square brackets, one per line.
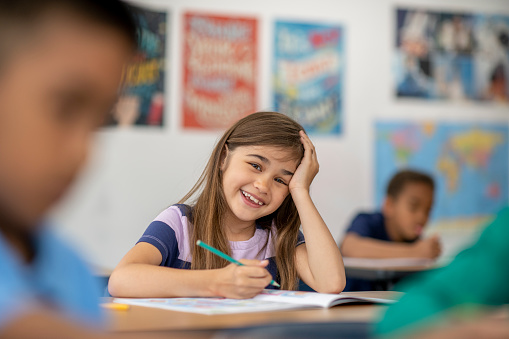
[192, 325]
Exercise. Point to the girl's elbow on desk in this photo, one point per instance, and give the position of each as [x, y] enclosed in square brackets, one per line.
[124, 284]
[116, 285]
[332, 285]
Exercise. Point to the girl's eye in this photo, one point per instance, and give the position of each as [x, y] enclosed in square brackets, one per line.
[256, 166]
[281, 181]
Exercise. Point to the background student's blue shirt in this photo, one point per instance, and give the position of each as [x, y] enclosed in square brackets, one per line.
[57, 278]
[370, 225]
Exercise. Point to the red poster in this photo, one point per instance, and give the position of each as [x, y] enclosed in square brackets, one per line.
[220, 70]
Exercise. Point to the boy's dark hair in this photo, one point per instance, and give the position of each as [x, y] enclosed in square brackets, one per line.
[402, 178]
[18, 15]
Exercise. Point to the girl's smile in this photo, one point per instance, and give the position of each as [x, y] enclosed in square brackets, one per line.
[252, 200]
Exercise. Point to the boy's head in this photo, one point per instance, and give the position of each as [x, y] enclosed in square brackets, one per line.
[61, 63]
[408, 204]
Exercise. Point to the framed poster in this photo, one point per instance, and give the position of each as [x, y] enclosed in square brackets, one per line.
[142, 100]
[220, 65]
[452, 56]
[308, 75]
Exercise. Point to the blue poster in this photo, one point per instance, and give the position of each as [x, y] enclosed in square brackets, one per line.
[308, 75]
[468, 161]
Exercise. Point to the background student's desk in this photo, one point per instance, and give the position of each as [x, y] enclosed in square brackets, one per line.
[385, 272]
[192, 325]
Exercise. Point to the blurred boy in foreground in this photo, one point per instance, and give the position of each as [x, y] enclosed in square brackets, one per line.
[61, 63]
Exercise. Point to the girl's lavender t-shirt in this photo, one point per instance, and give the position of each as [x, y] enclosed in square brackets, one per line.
[169, 233]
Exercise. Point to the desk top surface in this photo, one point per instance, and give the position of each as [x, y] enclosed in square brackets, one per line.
[144, 319]
[393, 264]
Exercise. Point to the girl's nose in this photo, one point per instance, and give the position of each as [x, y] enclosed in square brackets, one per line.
[261, 185]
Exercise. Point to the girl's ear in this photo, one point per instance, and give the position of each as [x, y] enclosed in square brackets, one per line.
[224, 156]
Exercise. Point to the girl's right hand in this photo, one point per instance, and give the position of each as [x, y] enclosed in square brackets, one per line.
[242, 282]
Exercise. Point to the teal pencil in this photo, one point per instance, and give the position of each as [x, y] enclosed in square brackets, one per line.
[226, 257]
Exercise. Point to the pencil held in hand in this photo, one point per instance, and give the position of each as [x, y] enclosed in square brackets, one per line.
[226, 257]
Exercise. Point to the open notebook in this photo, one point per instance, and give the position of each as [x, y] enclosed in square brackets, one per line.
[268, 300]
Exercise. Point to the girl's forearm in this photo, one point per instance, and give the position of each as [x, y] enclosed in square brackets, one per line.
[149, 281]
[324, 258]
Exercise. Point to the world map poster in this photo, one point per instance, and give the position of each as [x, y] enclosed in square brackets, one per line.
[469, 162]
[220, 70]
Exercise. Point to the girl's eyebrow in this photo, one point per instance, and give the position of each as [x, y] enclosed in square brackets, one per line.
[286, 172]
[262, 158]
[267, 161]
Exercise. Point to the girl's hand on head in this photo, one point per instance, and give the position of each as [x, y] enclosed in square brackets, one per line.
[243, 282]
[308, 167]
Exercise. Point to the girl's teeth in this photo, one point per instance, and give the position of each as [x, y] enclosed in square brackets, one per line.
[252, 198]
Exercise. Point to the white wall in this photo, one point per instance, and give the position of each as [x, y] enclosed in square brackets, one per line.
[137, 172]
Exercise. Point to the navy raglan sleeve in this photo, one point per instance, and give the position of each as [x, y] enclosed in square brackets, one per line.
[300, 239]
[169, 234]
[162, 237]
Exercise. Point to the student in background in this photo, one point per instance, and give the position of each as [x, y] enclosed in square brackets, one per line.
[250, 202]
[61, 63]
[458, 301]
[395, 231]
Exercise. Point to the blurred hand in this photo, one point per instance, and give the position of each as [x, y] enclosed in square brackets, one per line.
[428, 248]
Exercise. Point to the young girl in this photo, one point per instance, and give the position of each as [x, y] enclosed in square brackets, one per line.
[252, 198]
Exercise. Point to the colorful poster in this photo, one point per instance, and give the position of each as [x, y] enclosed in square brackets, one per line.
[220, 70]
[308, 75]
[143, 95]
[468, 161]
[452, 56]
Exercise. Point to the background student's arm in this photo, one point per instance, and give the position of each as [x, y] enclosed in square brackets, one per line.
[357, 246]
[318, 261]
[139, 275]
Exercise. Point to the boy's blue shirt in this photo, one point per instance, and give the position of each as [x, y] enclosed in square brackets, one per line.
[57, 278]
[370, 225]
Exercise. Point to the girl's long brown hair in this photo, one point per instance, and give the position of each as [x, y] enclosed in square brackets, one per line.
[208, 209]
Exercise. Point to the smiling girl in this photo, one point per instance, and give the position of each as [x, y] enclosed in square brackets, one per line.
[249, 202]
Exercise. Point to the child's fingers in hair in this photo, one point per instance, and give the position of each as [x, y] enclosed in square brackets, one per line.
[308, 144]
[305, 143]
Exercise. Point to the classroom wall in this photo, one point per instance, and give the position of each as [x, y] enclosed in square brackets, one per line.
[137, 172]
